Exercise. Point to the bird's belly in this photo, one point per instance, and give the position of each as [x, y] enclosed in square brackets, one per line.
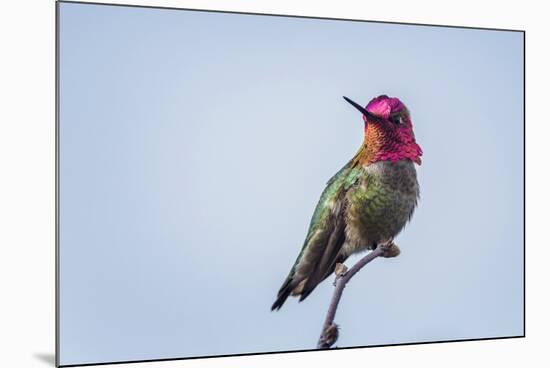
[380, 207]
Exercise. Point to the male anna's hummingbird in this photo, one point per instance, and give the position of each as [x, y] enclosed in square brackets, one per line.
[366, 203]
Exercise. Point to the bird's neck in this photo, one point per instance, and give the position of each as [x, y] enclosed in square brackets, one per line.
[386, 145]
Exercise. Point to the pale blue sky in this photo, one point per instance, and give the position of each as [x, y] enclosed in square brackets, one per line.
[194, 147]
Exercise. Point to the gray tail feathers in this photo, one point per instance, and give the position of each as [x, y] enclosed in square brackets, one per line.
[283, 294]
[290, 284]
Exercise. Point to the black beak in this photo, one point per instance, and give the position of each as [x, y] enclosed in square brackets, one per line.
[362, 109]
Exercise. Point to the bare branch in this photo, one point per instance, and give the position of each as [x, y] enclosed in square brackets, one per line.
[329, 333]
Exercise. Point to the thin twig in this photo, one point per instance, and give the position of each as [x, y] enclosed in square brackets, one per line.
[329, 333]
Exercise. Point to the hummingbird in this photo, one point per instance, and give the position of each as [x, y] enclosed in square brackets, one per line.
[365, 204]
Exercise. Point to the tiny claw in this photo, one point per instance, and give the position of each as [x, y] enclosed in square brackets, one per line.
[340, 269]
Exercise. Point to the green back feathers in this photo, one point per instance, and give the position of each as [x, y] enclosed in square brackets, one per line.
[341, 181]
[322, 221]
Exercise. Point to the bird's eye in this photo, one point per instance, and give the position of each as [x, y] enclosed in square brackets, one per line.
[396, 119]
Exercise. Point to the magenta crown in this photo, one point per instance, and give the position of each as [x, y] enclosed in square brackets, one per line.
[383, 106]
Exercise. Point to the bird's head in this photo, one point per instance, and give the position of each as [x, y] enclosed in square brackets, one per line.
[389, 132]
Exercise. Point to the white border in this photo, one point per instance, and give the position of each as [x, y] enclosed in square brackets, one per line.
[27, 182]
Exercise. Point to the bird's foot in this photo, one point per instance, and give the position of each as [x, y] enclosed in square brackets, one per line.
[339, 270]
